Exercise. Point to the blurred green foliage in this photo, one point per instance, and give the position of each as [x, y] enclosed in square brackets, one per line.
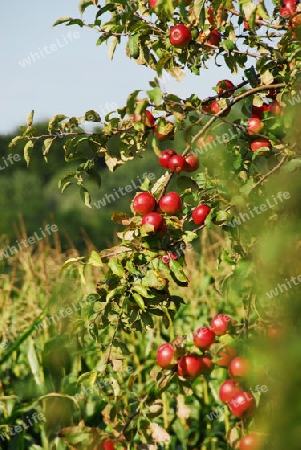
[33, 193]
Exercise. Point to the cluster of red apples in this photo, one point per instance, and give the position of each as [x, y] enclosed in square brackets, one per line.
[176, 163]
[241, 402]
[255, 124]
[146, 205]
[151, 210]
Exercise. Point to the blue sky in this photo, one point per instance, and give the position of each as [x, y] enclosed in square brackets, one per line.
[75, 77]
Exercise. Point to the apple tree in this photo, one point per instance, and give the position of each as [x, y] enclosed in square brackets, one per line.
[222, 157]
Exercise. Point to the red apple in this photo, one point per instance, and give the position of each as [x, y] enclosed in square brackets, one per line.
[214, 108]
[169, 255]
[202, 142]
[239, 367]
[203, 337]
[200, 213]
[275, 108]
[208, 364]
[226, 354]
[176, 163]
[257, 111]
[180, 36]
[228, 389]
[166, 259]
[295, 26]
[242, 405]
[108, 445]
[155, 219]
[254, 125]
[165, 356]
[144, 203]
[220, 323]
[192, 163]
[214, 38]
[170, 203]
[250, 442]
[275, 333]
[190, 366]
[147, 118]
[272, 94]
[225, 85]
[288, 10]
[258, 143]
[165, 157]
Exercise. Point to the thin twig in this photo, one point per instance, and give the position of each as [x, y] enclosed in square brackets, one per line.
[264, 177]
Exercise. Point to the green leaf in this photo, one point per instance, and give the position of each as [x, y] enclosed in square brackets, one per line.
[251, 76]
[248, 186]
[142, 291]
[71, 261]
[34, 362]
[92, 116]
[145, 185]
[119, 344]
[155, 96]
[176, 268]
[28, 147]
[147, 319]
[116, 267]
[83, 4]
[55, 120]
[222, 216]
[14, 141]
[85, 196]
[262, 12]
[132, 46]
[266, 77]
[112, 46]
[248, 8]
[61, 20]
[47, 145]
[160, 184]
[189, 236]
[292, 165]
[66, 177]
[95, 259]
[30, 118]
[153, 279]
[228, 45]
[139, 300]
[257, 100]
[75, 22]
